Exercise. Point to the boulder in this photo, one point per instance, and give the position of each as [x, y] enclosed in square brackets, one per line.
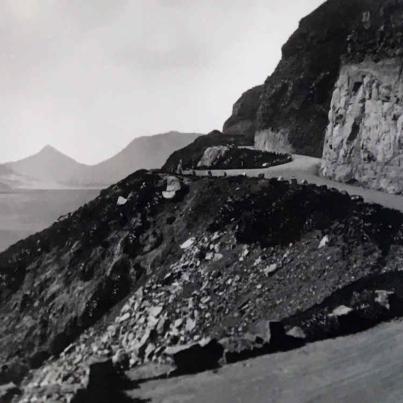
[149, 371]
[191, 154]
[212, 155]
[121, 201]
[103, 386]
[196, 357]
[382, 298]
[263, 337]
[173, 187]
[341, 310]
[8, 392]
[272, 333]
[297, 333]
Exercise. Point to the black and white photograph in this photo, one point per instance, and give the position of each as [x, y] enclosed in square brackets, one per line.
[201, 201]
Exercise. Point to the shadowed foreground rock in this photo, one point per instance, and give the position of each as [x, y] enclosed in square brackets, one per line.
[197, 357]
[105, 385]
[8, 392]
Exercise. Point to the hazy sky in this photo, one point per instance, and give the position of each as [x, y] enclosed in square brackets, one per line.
[87, 76]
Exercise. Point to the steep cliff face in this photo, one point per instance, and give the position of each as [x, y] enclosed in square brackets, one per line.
[340, 79]
[292, 115]
[292, 110]
[364, 137]
[243, 118]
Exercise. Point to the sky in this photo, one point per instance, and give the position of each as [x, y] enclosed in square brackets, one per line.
[88, 76]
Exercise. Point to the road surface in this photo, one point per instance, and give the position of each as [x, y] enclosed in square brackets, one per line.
[306, 168]
[366, 367]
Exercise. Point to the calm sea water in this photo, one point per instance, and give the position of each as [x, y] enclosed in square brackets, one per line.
[25, 212]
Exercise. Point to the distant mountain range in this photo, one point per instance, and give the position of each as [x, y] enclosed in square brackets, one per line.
[50, 168]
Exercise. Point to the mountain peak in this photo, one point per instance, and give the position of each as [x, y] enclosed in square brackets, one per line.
[49, 149]
[50, 152]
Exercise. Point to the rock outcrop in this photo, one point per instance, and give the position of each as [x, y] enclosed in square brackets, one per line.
[364, 138]
[212, 155]
[340, 78]
[293, 109]
[231, 157]
[243, 118]
[189, 156]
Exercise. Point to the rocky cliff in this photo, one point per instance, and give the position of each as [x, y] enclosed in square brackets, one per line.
[243, 118]
[289, 113]
[294, 102]
[364, 137]
[340, 79]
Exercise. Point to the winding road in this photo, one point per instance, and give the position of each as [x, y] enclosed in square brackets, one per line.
[365, 367]
[306, 168]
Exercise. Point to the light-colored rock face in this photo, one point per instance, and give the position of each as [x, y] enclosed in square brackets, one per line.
[275, 141]
[364, 138]
[211, 155]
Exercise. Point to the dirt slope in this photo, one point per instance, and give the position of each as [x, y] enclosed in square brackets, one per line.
[131, 274]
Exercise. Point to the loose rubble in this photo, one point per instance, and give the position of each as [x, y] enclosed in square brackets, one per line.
[227, 275]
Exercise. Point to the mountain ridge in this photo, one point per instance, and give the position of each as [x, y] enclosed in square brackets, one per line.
[51, 167]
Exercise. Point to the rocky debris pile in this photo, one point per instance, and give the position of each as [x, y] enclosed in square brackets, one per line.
[357, 307]
[188, 157]
[255, 266]
[232, 157]
[174, 318]
[99, 253]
